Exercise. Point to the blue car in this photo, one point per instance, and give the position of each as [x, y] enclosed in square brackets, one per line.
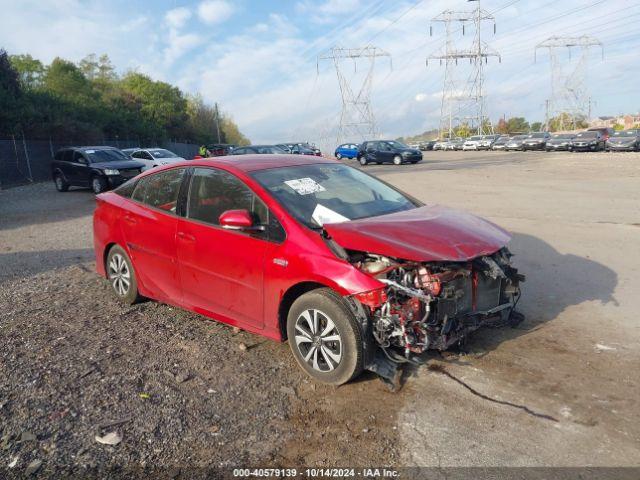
[346, 150]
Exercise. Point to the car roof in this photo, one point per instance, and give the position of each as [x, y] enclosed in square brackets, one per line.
[251, 163]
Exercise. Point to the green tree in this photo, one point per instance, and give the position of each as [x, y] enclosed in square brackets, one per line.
[10, 95]
[517, 125]
[30, 70]
[231, 132]
[97, 68]
[536, 126]
[618, 127]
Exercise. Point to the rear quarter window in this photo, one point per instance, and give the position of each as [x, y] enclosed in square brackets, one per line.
[126, 189]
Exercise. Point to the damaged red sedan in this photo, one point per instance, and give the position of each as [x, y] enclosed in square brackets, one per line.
[352, 272]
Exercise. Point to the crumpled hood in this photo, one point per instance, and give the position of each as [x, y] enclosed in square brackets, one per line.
[424, 234]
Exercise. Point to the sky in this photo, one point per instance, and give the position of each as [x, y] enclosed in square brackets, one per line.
[259, 59]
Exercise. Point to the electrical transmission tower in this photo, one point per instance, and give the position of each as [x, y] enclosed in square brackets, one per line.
[464, 103]
[357, 121]
[570, 102]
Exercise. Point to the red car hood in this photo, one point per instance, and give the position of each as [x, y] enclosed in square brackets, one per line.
[424, 234]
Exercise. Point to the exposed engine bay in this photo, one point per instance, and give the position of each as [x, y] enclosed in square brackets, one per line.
[434, 305]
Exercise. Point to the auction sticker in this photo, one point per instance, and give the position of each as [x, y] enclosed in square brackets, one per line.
[305, 186]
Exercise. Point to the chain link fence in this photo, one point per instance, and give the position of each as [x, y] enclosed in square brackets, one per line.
[25, 160]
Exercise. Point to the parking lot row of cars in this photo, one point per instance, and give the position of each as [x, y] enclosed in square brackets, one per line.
[595, 139]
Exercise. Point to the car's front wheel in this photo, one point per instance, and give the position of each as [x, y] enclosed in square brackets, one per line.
[122, 276]
[325, 337]
[363, 160]
[397, 160]
[98, 185]
[338, 156]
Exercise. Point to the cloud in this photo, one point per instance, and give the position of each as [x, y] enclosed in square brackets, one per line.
[215, 11]
[179, 44]
[177, 17]
[327, 11]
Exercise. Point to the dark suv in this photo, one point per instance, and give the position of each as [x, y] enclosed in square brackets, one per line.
[99, 168]
[387, 151]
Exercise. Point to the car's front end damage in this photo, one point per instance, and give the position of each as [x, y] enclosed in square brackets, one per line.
[455, 277]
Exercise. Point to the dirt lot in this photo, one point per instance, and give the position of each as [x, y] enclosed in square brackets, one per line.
[561, 389]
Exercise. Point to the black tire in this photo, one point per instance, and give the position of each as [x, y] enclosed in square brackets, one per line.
[98, 185]
[338, 156]
[330, 307]
[61, 183]
[127, 294]
[363, 160]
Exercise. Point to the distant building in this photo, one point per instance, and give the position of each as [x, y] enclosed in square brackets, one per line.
[627, 121]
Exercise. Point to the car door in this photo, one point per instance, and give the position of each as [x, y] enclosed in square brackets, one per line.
[80, 169]
[372, 152]
[144, 158]
[222, 270]
[149, 226]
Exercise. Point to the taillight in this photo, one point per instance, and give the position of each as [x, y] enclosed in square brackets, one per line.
[373, 298]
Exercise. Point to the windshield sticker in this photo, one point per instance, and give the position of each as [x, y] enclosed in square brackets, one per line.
[322, 215]
[305, 186]
[89, 151]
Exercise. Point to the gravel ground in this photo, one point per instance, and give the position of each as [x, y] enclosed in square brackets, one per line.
[184, 393]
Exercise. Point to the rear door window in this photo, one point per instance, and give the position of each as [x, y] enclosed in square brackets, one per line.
[213, 192]
[160, 190]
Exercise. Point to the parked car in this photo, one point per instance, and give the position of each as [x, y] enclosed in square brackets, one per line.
[559, 141]
[352, 272]
[472, 143]
[346, 150]
[428, 145]
[154, 157]
[302, 148]
[387, 151]
[455, 144]
[486, 142]
[440, 145]
[99, 168]
[628, 140]
[258, 149]
[605, 132]
[129, 151]
[588, 141]
[536, 141]
[500, 143]
[220, 149]
[515, 142]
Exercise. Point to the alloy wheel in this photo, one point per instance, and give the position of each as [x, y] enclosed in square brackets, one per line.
[318, 340]
[59, 183]
[96, 185]
[119, 274]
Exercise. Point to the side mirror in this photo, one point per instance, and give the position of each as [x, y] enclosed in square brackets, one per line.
[239, 220]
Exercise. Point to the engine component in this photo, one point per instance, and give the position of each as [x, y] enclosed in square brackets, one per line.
[435, 305]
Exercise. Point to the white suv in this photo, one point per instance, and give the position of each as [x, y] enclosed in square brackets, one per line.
[472, 143]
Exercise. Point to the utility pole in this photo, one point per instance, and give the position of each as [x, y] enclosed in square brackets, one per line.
[570, 101]
[218, 122]
[357, 121]
[460, 103]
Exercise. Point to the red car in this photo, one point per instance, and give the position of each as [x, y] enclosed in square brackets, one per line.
[352, 272]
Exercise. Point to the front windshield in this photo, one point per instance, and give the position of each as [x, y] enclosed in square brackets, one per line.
[537, 135]
[587, 135]
[329, 193]
[100, 156]
[520, 137]
[475, 137]
[626, 133]
[396, 144]
[562, 135]
[266, 149]
[162, 153]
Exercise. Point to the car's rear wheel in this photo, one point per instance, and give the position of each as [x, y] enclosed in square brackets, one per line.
[338, 156]
[397, 160]
[122, 276]
[98, 185]
[325, 337]
[61, 184]
[363, 160]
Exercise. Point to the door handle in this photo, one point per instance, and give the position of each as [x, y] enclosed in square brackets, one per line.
[186, 236]
[130, 220]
